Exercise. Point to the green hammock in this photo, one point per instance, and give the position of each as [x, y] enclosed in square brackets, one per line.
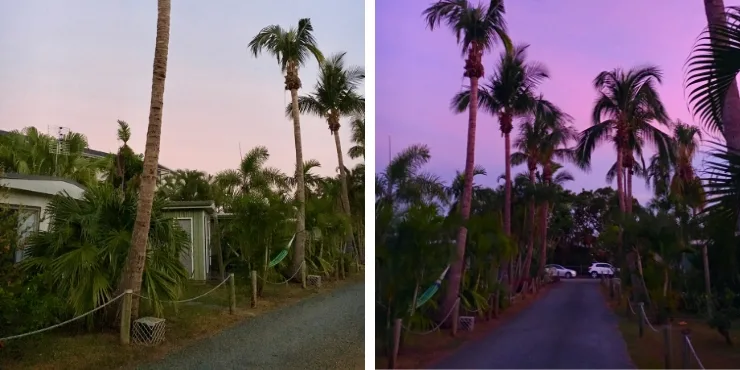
[429, 293]
[281, 256]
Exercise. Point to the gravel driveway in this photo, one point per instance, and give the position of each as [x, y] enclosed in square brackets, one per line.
[569, 328]
[323, 332]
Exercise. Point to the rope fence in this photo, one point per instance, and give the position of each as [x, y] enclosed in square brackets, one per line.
[125, 317]
[436, 327]
[39, 331]
[687, 347]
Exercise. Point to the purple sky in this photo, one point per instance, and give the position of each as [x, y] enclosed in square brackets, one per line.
[83, 64]
[418, 71]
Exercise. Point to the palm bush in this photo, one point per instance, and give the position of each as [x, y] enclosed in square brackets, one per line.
[84, 250]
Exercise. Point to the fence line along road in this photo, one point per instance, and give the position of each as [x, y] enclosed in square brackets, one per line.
[39, 331]
[194, 298]
[686, 339]
[437, 326]
[300, 268]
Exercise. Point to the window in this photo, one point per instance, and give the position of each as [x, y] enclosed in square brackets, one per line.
[28, 223]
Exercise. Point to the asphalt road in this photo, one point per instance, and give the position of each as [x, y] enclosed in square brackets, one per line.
[569, 328]
[323, 332]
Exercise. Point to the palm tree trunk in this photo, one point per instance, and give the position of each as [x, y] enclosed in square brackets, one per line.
[628, 187]
[299, 254]
[543, 232]
[707, 283]
[507, 186]
[345, 194]
[531, 216]
[715, 11]
[135, 262]
[456, 267]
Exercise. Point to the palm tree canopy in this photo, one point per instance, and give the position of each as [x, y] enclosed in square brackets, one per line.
[481, 25]
[358, 136]
[335, 93]
[294, 45]
[511, 87]
[627, 104]
[711, 69]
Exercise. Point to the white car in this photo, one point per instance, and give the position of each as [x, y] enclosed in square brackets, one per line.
[560, 271]
[599, 268]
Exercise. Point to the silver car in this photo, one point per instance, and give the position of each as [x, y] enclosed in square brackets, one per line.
[560, 271]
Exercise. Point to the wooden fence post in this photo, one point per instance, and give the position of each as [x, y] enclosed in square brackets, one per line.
[232, 294]
[254, 288]
[641, 319]
[126, 317]
[685, 358]
[393, 358]
[667, 347]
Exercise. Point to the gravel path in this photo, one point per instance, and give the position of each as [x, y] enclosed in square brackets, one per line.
[323, 332]
[569, 328]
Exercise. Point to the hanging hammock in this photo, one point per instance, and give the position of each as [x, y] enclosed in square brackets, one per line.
[427, 295]
[281, 256]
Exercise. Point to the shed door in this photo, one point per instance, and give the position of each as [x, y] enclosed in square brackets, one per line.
[186, 258]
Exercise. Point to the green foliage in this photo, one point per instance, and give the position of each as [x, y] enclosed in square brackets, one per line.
[82, 254]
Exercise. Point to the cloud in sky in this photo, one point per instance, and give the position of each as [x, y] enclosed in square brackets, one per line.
[83, 64]
[418, 71]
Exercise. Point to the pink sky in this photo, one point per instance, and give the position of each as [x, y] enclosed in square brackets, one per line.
[418, 71]
[83, 64]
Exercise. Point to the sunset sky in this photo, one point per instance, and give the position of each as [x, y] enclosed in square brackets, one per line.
[83, 64]
[418, 71]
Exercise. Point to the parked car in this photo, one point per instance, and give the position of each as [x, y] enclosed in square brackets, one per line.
[600, 268]
[560, 271]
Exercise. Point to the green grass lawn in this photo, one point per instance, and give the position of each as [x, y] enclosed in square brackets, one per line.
[188, 322]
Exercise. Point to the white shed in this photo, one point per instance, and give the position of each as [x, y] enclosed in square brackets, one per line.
[30, 195]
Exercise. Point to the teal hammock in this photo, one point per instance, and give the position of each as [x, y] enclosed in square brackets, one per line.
[429, 293]
[281, 256]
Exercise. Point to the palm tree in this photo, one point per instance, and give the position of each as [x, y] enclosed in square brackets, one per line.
[540, 137]
[292, 48]
[626, 106]
[251, 178]
[134, 268]
[187, 185]
[358, 136]
[720, 37]
[335, 96]
[553, 146]
[477, 28]
[510, 93]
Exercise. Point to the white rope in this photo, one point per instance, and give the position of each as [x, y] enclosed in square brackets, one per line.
[691, 347]
[303, 264]
[194, 298]
[629, 303]
[61, 323]
[454, 307]
[644, 316]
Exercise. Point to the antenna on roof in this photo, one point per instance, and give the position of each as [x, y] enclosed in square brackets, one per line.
[59, 146]
[240, 151]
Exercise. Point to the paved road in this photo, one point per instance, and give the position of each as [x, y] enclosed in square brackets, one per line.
[569, 328]
[323, 332]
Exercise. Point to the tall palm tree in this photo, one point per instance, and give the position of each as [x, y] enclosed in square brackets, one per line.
[292, 48]
[478, 29]
[627, 104]
[727, 118]
[540, 138]
[134, 268]
[509, 93]
[554, 145]
[335, 96]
